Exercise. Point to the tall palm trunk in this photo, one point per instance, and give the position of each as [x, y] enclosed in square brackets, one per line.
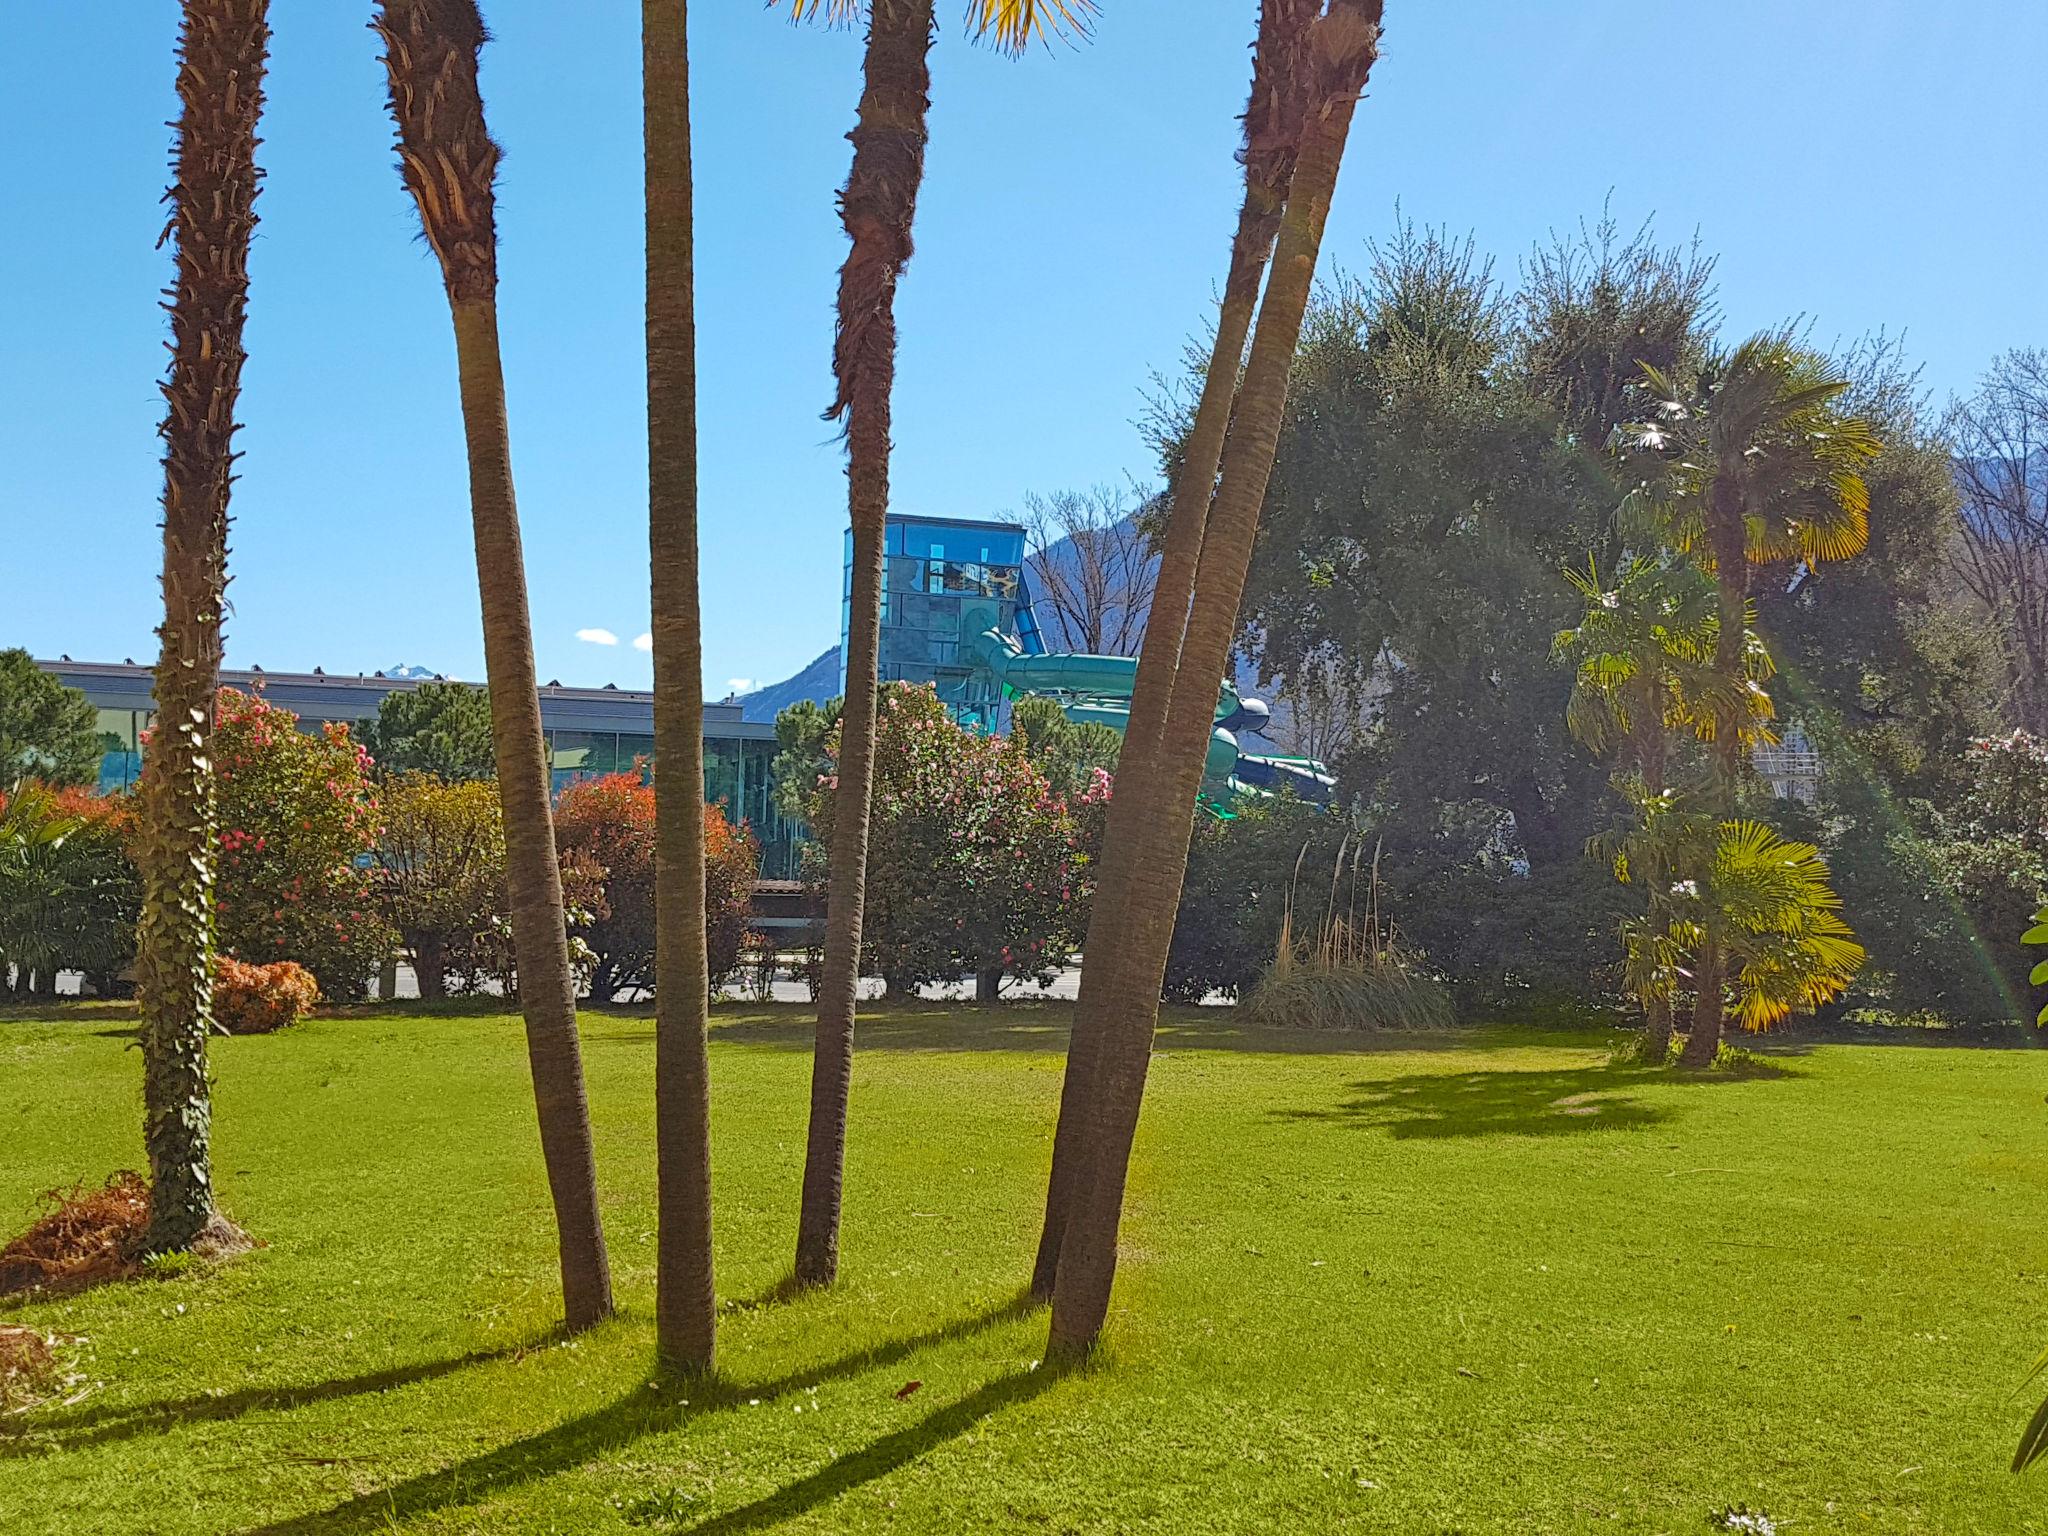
[878, 208]
[686, 1307]
[449, 164]
[1342, 47]
[1273, 121]
[1728, 534]
[222, 46]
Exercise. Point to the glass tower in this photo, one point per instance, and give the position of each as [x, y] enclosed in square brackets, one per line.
[940, 576]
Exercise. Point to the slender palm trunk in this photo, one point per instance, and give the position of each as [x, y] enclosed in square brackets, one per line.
[1342, 45]
[1273, 121]
[222, 47]
[686, 1307]
[1728, 535]
[449, 164]
[533, 871]
[878, 208]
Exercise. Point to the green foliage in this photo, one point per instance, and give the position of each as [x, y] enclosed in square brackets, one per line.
[47, 731]
[2038, 934]
[975, 865]
[69, 892]
[298, 832]
[440, 728]
[1234, 900]
[803, 737]
[1069, 755]
[1990, 849]
[439, 876]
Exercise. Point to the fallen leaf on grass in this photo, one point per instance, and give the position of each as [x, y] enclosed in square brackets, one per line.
[906, 1389]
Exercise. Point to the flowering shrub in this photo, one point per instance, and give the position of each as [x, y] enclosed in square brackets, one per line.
[298, 824]
[974, 864]
[261, 999]
[608, 822]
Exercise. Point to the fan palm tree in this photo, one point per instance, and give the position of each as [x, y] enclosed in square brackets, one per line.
[449, 164]
[1643, 659]
[1122, 1012]
[1273, 122]
[686, 1307]
[1758, 466]
[222, 49]
[878, 208]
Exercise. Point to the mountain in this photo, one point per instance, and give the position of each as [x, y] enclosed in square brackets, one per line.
[817, 682]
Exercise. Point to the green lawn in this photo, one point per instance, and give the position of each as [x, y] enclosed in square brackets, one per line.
[1475, 1282]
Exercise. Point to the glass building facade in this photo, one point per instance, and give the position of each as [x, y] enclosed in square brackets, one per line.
[589, 731]
[944, 580]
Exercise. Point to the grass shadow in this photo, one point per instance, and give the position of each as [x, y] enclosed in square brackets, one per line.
[889, 1454]
[1043, 1027]
[1442, 1106]
[578, 1440]
[90, 1426]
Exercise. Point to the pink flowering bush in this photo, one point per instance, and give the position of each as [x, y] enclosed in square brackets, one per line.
[975, 865]
[297, 822]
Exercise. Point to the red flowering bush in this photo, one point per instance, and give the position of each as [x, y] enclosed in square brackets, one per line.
[261, 999]
[298, 824]
[975, 865]
[608, 823]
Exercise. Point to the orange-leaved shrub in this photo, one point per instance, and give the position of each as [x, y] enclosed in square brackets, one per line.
[261, 999]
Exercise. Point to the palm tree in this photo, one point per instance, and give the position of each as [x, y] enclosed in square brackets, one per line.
[686, 1306]
[1273, 122]
[878, 208]
[1643, 660]
[1758, 466]
[1121, 1014]
[449, 165]
[222, 48]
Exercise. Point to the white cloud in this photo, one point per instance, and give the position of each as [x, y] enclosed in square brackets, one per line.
[643, 642]
[597, 637]
[740, 685]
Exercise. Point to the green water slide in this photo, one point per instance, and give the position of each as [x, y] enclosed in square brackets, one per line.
[1096, 690]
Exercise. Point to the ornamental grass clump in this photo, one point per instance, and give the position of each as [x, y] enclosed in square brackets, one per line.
[1353, 971]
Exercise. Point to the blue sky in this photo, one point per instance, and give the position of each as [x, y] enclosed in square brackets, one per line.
[1071, 233]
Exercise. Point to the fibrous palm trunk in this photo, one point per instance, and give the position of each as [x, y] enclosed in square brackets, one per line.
[1728, 534]
[449, 164]
[1273, 122]
[686, 1305]
[1341, 49]
[878, 208]
[222, 48]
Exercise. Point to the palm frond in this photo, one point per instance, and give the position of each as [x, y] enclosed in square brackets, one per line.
[1013, 25]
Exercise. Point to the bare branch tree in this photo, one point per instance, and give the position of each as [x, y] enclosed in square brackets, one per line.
[1091, 569]
[2000, 552]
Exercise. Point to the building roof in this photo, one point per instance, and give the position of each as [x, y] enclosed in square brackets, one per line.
[336, 696]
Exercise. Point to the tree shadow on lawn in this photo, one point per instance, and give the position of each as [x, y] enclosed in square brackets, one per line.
[886, 1455]
[570, 1444]
[1044, 1027]
[101, 1424]
[1441, 1106]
